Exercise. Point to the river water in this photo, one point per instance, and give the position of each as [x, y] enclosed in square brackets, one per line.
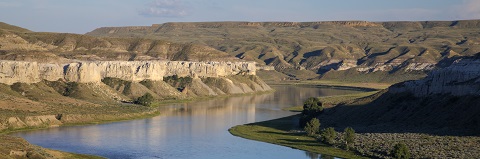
[197, 129]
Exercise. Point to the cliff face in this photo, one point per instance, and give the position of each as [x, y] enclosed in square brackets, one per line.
[461, 78]
[135, 71]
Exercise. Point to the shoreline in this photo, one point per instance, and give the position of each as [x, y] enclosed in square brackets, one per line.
[108, 118]
[147, 114]
[336, 84]
[279, 132]
[283, 132]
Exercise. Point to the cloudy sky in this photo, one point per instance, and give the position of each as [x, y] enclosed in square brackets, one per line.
[81, 16]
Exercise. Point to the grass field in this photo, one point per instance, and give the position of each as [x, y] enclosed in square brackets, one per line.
[329, 101]
[328, 83]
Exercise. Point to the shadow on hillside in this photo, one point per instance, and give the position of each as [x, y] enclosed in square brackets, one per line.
[404, 113]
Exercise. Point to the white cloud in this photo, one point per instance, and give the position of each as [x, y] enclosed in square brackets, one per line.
[164, 8]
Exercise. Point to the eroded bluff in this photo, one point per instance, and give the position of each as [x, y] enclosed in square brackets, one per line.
[94, 71]
[460, 78]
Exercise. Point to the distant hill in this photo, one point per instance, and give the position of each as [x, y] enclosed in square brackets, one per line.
[8, 27]
[17, 43]
[348, 50]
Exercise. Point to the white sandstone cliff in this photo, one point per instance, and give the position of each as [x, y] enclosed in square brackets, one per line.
[94, 71]
[459, 79]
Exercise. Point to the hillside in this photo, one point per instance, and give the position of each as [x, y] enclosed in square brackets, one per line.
[347, 50]
[50, 79]
[445, 102]
[23, 45]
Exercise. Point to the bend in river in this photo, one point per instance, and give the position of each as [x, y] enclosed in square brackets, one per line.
[188, 130]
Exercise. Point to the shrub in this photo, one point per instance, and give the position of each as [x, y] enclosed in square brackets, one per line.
[71, 88]
[312, 107]
[329, 135]
[145, 100]
[178, 82]
[349, 137]
[312, 127]
[401, 151]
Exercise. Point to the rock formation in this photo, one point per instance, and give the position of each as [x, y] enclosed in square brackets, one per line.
[369, 50]
[135, 71]
[461, 78]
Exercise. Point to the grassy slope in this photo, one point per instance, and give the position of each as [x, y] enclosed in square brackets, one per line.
[329, 101]
[11, 144]
[332, 83]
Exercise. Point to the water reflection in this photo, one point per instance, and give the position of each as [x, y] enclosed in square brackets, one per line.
[189, 130]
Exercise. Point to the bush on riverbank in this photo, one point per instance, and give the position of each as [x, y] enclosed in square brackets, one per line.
[312, 127]
[328, 135]
[312, 107]
[145, 100]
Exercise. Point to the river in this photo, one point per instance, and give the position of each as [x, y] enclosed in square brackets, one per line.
[197, 129]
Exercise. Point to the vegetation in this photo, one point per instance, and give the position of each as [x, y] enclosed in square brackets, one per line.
[329, 101]
[312, 127]
[70, 88]
[178, 82]
[282, 132]
[145, 100]
[312, 107]
[401, 151]
[328, 135]
[368, 86]
[119, 84]
[349, 137]
[24, 149]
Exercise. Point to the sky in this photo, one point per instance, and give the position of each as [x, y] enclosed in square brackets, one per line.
[81, 16]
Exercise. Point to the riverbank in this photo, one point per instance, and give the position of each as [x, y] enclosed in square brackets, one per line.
[284, 132]
[337, 84]
[368, 143]
[80, 115]
[16, 147]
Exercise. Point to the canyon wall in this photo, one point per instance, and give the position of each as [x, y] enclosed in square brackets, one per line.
[461, 78]
[94, 71]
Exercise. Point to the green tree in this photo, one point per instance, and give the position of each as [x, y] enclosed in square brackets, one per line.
[312, 107]
[401, 151]
[349, 137]
[146, 99]
[312, 127]
[329, 135]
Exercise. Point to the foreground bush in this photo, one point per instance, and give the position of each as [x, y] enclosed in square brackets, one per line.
[312, 127]
[329, 135]
[401, 151]
[349, 137]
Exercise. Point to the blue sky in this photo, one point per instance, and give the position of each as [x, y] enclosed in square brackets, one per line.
[81, 16]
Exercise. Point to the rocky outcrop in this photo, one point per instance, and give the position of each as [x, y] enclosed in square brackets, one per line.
[94, 71]
[367, 49]
[461, 78]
